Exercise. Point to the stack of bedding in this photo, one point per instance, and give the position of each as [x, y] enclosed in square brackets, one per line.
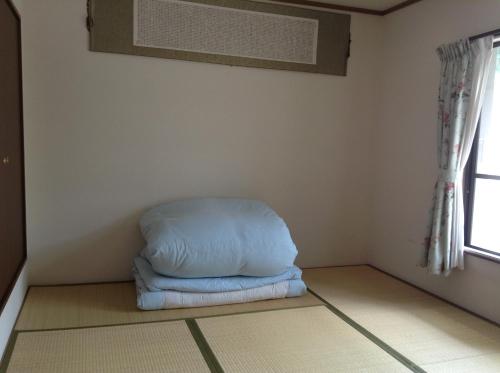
[214, 251]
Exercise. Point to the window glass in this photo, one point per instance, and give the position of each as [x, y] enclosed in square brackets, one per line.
[483, 204]
[485, 227]
[488, 156]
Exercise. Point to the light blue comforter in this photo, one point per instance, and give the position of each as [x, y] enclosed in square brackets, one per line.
[168, 299]
[216, 237]
[155, 282]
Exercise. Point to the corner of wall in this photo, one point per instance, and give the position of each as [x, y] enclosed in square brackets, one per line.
[405, 155]
[11, 310]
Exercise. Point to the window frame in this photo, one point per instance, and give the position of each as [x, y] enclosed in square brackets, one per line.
[469, 187]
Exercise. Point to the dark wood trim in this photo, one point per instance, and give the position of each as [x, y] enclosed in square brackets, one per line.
[319, 4]
[435, 295]
[83, 284]
[14, 9]
[483, 254]
[344, 8]
[335, 266]
[484, 34]
[399, 6]
[4, 300]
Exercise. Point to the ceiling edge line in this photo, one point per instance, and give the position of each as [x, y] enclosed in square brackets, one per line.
[402, 5]
[318, 4]
[374, 12]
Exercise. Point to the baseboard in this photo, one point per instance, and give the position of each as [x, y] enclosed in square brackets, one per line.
[22, 294]
[435, 295]
[337, 266]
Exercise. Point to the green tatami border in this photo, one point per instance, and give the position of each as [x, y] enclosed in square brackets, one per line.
[384, 346]
[4, 364]
[204, 347]
[198, 336]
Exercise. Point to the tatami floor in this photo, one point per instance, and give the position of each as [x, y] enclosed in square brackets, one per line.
[355, 319]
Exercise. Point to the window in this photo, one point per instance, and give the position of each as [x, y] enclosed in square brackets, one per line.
[482, 177]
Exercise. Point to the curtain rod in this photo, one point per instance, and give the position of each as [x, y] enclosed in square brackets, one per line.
[493, 32]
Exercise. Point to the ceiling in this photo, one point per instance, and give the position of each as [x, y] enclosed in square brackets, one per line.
[375, 6]
[379, 5]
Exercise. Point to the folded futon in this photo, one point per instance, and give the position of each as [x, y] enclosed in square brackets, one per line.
[211, 251]
[155, 291]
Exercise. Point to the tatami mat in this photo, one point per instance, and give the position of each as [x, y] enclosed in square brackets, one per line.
[478, 364]
[55, 307]
[433, 334]
[157, 347]
[384, 325]
[309, 339]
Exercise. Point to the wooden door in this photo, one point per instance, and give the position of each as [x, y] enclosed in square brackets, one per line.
[12, 205]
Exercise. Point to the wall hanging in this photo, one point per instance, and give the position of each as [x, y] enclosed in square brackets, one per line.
[230, 32]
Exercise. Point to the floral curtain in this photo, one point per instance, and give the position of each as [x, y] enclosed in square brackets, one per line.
[465, 66]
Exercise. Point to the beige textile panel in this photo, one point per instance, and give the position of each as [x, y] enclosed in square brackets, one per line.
[231, 32]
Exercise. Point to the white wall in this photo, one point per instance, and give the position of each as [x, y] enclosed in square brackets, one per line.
[407, 159]
[9, 314]
[110, 135]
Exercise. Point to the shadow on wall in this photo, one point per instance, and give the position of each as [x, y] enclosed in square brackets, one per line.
[103, 255]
